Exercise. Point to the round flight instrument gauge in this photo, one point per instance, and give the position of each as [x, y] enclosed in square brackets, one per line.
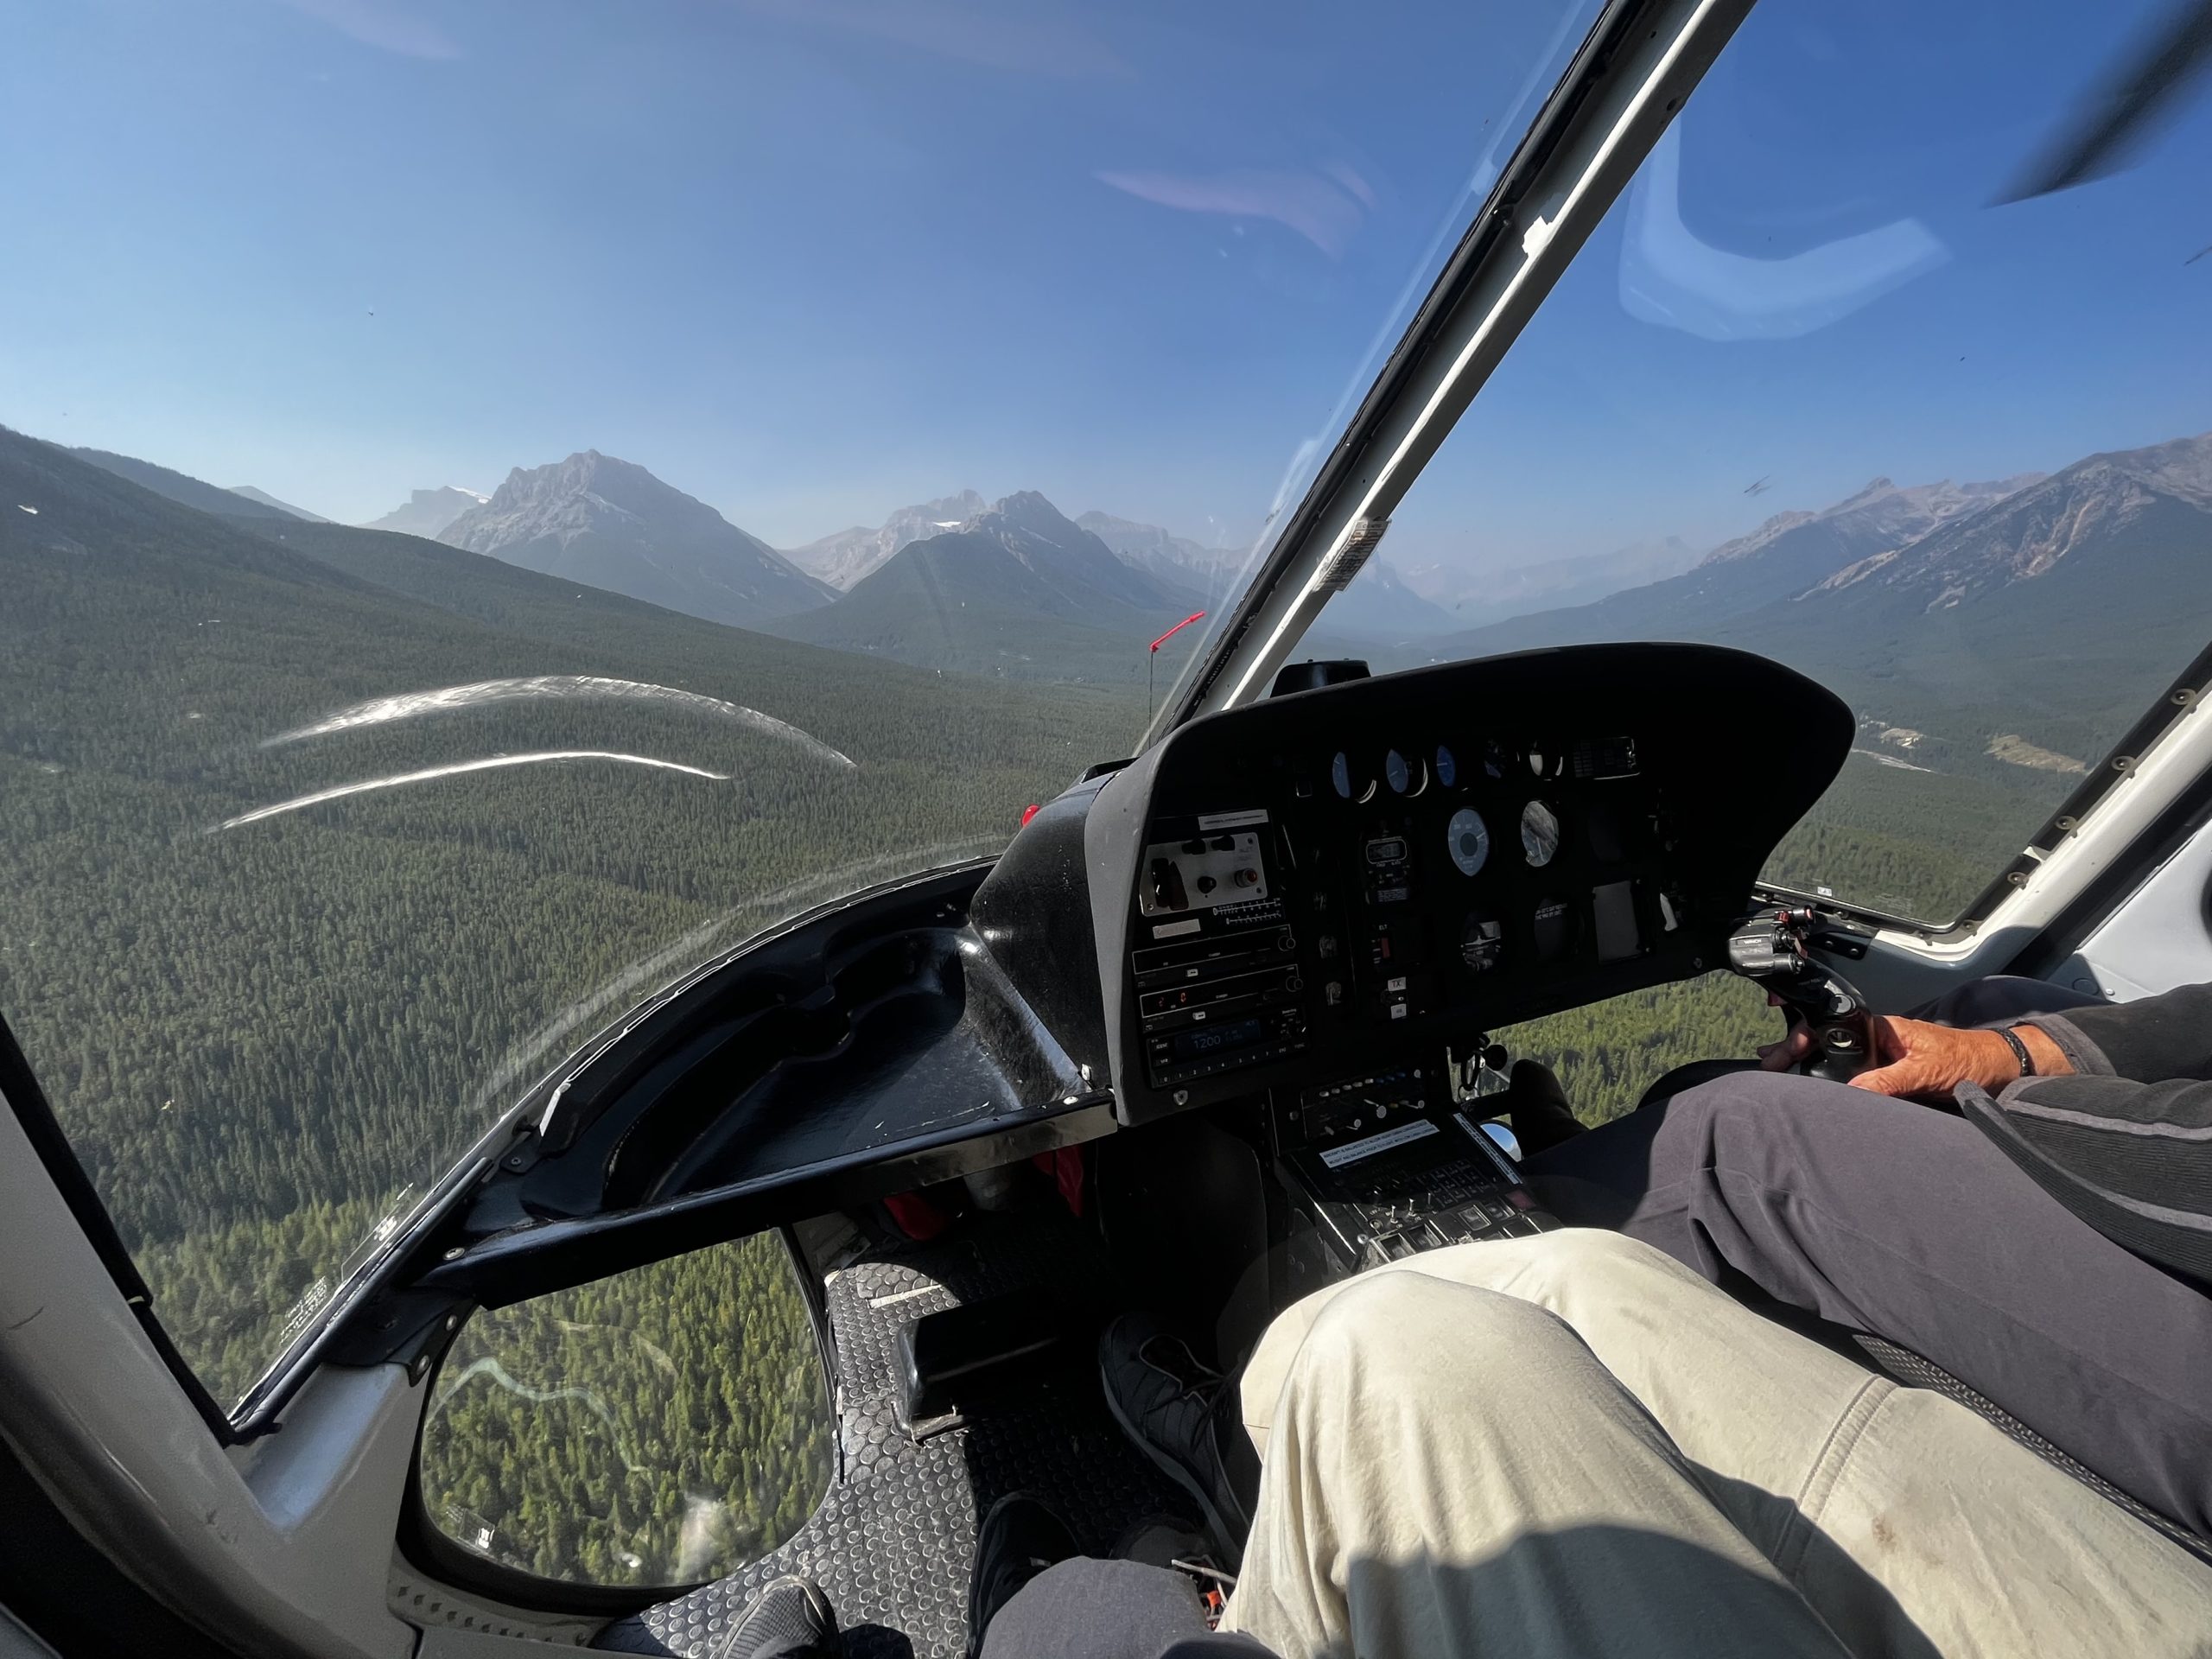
[1538, 833]
[1498, 759]
[1352, 778]
[1448, 769]
[1467, 838]
[1396, 772]
[1482, 940]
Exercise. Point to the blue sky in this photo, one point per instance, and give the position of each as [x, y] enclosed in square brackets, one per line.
[813, 259]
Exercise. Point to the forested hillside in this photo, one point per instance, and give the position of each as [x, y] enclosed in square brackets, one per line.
[261, 1036]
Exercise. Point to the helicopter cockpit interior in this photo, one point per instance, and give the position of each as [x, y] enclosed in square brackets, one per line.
[832, 1193]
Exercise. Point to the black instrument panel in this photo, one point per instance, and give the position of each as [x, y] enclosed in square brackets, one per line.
[1374, 907]
[1324, 883]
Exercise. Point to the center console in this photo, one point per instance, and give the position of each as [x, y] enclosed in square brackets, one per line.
[1385, 1165]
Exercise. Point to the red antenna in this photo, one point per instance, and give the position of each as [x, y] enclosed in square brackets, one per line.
[1193, 617]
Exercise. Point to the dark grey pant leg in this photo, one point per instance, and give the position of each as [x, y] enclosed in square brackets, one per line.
[1092, 1609]
[1906, 1223]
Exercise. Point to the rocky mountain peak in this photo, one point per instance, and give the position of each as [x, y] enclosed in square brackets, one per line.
[1027, 515]
[600, 519]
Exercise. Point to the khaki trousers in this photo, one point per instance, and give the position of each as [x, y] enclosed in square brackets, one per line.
[1573, 1446]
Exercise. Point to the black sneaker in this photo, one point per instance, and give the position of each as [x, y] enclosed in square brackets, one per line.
[1161, 1540]
[789, 1620]
[1536, 1106]
[1018, 1539]
[1183, 1415]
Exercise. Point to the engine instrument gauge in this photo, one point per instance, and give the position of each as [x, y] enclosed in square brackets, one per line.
[1467, 838]
[1352, 778]
[1447, 768]
[1482, 940]
[1553, 928]
[1538, 833]
[1397, 772]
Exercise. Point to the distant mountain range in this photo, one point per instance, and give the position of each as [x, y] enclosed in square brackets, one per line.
[1473, 597]
[1378, 607]
[428, 512]
[1019, 589]
[2018, 623]
[610, 523]
[1788, 554]
[1205, 573]
[2034, 524]
[1968, 617]
[843, 559]
[614, 525]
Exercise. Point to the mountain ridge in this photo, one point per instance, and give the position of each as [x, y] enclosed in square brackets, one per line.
[610, 523]
[180, 487]
[2025, 534]
[848, 555]
[1020, 590]
[428, 512]
[1788, 554]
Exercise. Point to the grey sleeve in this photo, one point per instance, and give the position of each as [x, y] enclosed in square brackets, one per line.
[2151, 1039]
[2134, 1159]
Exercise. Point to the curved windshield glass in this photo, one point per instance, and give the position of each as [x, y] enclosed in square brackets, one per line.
[501, 504]
[1843, 380]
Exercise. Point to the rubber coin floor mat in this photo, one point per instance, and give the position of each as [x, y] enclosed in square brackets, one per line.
[893, 1542]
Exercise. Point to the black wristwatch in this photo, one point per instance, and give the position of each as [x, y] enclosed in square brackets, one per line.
[2019, 1050]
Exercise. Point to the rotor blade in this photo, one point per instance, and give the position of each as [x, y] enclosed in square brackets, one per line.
[2145, 83]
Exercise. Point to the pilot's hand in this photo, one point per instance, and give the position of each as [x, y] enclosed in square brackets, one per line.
[1915, 1060]
[1924, 1061]
[1918, 1060]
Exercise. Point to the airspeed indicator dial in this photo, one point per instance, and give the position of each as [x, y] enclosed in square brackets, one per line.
[1467, 838]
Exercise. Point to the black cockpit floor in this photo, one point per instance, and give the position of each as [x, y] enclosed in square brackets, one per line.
[894, 1541]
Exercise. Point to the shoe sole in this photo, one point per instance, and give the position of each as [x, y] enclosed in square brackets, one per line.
[1214, 1526]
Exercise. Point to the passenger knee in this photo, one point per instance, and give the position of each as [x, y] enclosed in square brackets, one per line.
[1554, 1269]
[1582, 1251]
[1407, 1330]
